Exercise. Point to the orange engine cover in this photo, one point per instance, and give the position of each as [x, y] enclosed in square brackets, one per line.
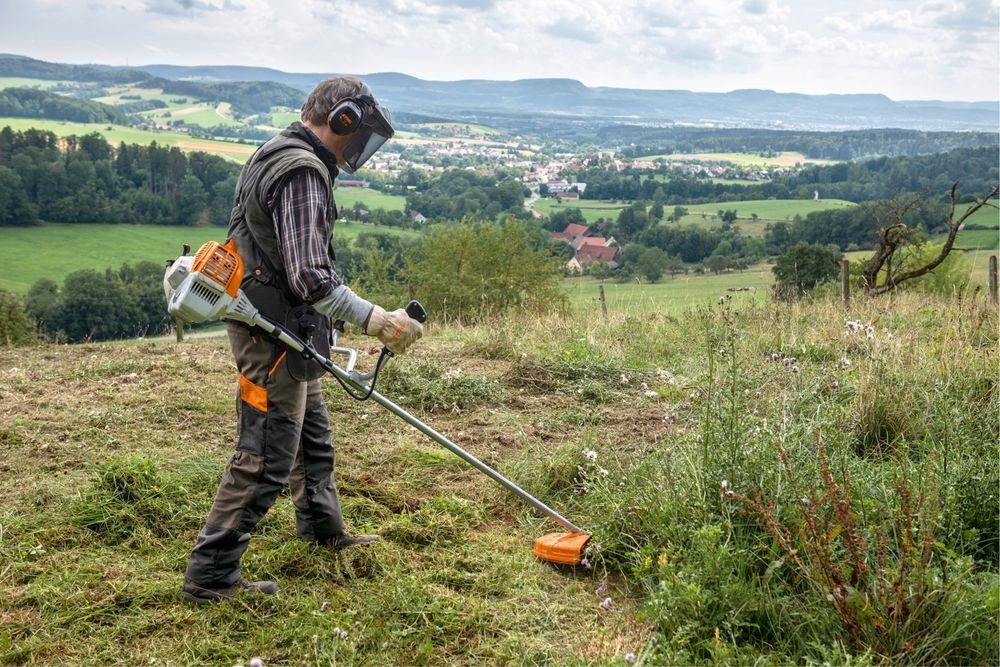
[561, 548]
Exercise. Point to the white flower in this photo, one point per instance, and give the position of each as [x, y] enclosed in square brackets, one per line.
[623, 379]
[606, 603]
[336, 631]
[256, 662]
[795, 368]
[650, 394]
[845, 362]
[343, 634]
[590, 454]
[629, 657]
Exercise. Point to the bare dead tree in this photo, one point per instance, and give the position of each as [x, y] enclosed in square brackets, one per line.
[895, 236]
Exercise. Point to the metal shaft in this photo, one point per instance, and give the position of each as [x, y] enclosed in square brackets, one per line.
[296, 344]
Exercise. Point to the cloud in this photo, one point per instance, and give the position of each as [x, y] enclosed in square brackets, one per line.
[570, 29]
[759, 6]
[189, 7]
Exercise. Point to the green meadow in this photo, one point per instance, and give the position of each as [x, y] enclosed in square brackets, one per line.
[348, 197]
[54, 251]
[785, 159]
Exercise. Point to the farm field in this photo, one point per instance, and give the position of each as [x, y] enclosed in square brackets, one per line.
[347, 197]
[118, 133]
[22, 82]
[592, 209]
[655, 430]
[670, 295]
[785, 159]
[70, 248]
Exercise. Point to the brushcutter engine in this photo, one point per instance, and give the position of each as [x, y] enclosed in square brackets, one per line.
[206, 287]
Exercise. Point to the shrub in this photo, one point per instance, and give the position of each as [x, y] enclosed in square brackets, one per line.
[16, 327]
[473, 270]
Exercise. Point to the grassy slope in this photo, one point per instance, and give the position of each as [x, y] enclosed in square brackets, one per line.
[454, 581]
[118, 133]
[54, 251]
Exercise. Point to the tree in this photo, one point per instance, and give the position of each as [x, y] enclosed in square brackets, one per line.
[651, 264]
[16, 208]
[679, 212]
[899, 243]
[42, 300]
[632, 220]
[806, 265]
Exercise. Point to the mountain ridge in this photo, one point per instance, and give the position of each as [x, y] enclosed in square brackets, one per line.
[567, 97]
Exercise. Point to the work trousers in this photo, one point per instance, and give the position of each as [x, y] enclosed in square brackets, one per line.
[284, 436]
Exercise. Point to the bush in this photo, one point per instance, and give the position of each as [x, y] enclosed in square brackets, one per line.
[473, 270]
[16, 326]
[806, 265]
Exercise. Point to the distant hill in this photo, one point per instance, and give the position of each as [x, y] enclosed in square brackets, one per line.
[760, 108]
[566, 99]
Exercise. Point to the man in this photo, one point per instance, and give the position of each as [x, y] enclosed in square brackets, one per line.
[282, 222]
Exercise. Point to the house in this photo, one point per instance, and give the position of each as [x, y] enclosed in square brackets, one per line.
[588, 255]
[346, 183]
[571, 233]
[416, 217]
[568, 196]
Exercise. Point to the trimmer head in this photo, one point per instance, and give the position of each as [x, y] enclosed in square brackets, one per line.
[561, 548]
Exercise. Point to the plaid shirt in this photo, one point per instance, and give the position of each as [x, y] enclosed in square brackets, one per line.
[304, 233]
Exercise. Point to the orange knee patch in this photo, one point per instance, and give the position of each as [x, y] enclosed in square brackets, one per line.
[252, 394]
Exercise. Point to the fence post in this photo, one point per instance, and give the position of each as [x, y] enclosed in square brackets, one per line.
[604, 304]
[993, 278]
[845, 280]
[179, 330]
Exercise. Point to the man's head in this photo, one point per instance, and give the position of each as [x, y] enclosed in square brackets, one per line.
[353, 149]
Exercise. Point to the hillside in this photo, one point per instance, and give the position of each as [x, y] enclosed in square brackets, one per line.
[656, 432]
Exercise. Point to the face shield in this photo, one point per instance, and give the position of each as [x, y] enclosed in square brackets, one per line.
[375, 130]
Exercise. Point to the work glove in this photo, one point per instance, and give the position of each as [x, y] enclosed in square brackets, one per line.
[396, 330]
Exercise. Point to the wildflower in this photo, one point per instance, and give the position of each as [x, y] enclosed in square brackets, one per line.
[775, 356]
[644, 386]
[343, 634]
[357, 624]
[606, 603]
[722, 351]
[650, 394]
[630, 657]
[722, 300]
[845, 362]
[788, 361]
[256, 662]
[623, 379]
[795, 368]
[324, 606]
[385, 645]
[590, 454]
[585, 562]
[336, 631]
[602, 589]
[603, 472]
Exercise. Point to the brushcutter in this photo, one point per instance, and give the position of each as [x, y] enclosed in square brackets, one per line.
[206, 288]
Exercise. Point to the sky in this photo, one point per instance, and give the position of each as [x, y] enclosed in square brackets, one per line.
[913, 49]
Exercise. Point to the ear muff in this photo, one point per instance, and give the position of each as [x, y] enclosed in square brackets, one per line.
[345, 118]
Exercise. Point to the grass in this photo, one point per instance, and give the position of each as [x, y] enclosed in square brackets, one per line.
[649, 429]
[118, 133]
[592, 209]
[70, 248]
[348, 197]
[670, 295]
[767, 210]
[785, 159]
